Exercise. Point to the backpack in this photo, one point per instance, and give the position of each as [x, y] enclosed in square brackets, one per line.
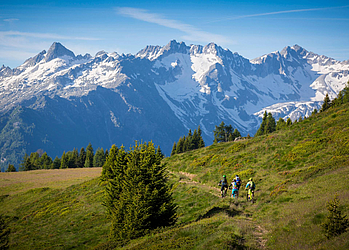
[238, 181]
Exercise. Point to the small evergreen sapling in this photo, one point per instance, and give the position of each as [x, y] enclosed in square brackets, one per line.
[335, 223]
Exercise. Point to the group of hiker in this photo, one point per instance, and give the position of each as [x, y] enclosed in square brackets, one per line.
[235, 187]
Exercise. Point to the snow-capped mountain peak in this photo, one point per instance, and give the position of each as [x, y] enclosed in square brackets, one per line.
[58, 50]
[175, 85]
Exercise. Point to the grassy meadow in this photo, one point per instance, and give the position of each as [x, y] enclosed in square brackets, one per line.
[297, 170]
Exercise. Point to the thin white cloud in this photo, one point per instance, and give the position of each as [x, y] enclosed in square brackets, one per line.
[44, 36]
[277, 13]
[191, 33]
[10, 20]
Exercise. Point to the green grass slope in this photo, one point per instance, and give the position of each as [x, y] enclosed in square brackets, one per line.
[296, 171]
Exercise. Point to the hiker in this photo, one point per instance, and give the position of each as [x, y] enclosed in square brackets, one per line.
[224, 185]
[235, 189]
[250, 186]
[238, 181]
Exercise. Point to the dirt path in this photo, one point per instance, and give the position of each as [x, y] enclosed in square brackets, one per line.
[258, 231]
[216, 191]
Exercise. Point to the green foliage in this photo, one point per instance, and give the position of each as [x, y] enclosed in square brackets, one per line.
[4, 234]
[327, 103]
[335, 223]
[268, 124]
[174, 149]
[64, 161]
[69, 159]
[99, 158]
[11, 168]
[81, 158]
[89, 156]
[138, 197]
[56, 163]
[189, 142]
[224, 133]
[281, 124]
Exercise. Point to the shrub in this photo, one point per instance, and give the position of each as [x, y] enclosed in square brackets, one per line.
[335, 223]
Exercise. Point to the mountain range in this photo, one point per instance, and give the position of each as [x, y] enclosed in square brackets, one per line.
[58, 101]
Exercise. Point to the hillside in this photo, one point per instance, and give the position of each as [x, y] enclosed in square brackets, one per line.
[296, 170]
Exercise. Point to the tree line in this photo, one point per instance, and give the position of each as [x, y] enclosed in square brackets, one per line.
[190, 142]
[70, 159]
[225, 133]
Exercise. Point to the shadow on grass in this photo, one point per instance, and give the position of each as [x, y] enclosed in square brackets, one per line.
[216, 210]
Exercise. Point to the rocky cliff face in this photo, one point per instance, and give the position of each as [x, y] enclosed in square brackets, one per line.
[57, 101]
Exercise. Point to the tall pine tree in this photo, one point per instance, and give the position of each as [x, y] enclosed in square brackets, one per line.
[138, 197]
[327, 103]
[89, 156]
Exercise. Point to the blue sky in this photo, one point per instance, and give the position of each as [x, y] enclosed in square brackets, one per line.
[251, 28]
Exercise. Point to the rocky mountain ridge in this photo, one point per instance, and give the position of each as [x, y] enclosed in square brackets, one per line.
[157, 94]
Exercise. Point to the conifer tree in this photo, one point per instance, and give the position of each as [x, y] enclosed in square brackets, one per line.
[11, 168]
[288, 122]
[138, 197]
[89, 156]
[236, 134]
[159, 154]
[195, 140]
[28, 165]
[180, 145]
[268, 124]
[56, 164]
[108, 166]
[201, 143]
[189, 141]
[338, 100]
[73, 158]
[185, 144]
[81, 158]
[35, 160]
[220, 133]
[327, 103]
[280, 124]
[173, 152]
[99, 158]
[335, 223]
[228, 132]
[261, 129]
[64, 161]
[46, 161]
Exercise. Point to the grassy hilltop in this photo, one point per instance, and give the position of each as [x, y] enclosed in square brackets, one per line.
[296, 170]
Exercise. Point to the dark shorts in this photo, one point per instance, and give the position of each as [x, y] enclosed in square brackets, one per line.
[224, 187]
